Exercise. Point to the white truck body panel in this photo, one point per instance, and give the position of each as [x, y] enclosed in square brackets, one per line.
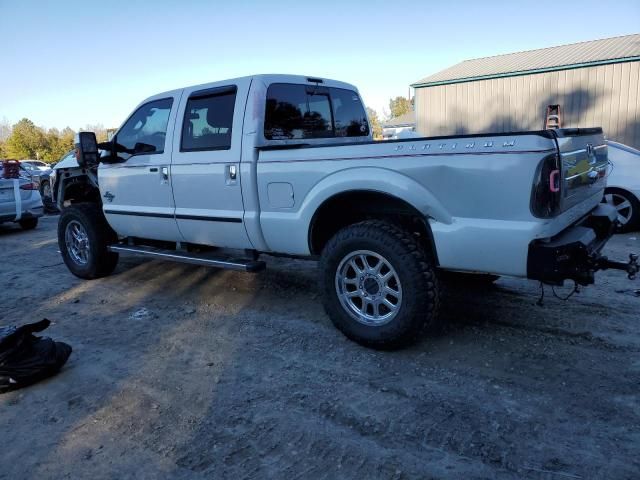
[203, 187]
[138, 189]
[428, 174]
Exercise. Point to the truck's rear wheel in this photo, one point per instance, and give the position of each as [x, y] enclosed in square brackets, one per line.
[83, 238]
[379, 285]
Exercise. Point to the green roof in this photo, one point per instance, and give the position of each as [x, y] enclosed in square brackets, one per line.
[403, 120]
[564, 57]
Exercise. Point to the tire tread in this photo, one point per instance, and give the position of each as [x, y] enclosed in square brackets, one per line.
[411, 252]
[92, 217]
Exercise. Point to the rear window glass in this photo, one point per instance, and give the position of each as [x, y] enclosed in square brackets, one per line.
[350, 117]
[307, 111]
[208, 121]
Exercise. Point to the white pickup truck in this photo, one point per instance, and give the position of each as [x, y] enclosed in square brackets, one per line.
[219, 174]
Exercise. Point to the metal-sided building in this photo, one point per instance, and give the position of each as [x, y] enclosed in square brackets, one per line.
[594, 83]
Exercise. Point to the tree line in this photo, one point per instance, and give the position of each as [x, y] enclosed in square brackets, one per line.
[25, 140]
[397, 106]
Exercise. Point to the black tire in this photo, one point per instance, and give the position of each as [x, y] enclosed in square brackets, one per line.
[633, 211]
[99, 261]
[28, 223]
[419, 305]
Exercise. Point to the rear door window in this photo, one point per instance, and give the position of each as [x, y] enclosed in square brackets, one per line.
[208, 120]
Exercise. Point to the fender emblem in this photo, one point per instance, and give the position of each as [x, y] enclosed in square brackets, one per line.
[109, 196]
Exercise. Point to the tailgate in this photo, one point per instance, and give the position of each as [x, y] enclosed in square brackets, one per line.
[583, 154]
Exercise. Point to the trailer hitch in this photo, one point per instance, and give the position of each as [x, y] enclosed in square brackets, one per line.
[631, 267]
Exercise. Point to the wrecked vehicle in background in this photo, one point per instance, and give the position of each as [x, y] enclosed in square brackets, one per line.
[20, 200]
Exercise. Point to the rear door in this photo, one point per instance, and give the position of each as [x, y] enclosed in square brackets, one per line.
[136, 193]
[205, 172]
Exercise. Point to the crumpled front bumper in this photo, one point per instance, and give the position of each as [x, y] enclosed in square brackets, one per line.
[574, 254]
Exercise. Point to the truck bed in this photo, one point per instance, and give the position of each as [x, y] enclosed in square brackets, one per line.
[469, 187]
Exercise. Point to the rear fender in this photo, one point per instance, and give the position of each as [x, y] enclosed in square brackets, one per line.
[382, 180]
[374, 179]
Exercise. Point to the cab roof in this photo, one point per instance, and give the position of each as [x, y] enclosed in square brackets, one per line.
[267, 79]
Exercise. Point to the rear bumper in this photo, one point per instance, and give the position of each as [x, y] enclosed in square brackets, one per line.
[574, 253]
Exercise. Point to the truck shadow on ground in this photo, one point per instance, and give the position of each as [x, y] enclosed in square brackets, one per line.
[115, 352]
[8, 229]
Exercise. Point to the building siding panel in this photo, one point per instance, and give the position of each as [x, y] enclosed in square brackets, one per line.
[604, 95]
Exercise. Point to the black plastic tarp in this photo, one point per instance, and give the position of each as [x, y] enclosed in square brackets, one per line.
[26, 358]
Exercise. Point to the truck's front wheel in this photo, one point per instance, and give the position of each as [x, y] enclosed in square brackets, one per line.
[379, 285]
[83, 238]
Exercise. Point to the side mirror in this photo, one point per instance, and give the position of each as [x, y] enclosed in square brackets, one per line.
[86, 149]
[144, 148]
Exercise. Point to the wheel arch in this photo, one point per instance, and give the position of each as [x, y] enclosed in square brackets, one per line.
[358, 194]
[77, 188]
[619, 188]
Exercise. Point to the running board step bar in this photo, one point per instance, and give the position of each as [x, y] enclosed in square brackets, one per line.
[242, 264]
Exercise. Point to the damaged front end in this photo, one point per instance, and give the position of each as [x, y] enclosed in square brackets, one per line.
[575, 253]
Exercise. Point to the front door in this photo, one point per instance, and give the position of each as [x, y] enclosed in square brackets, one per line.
[205, 172]
[136, 193]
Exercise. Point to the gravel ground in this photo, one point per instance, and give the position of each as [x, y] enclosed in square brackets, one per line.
[186, 372]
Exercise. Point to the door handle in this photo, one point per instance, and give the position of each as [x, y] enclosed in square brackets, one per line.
[153, 169]
[233, 172]
[165, 173]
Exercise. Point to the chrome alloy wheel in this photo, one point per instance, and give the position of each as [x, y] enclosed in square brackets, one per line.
[622, 205]
[368, 287]
[77, 241]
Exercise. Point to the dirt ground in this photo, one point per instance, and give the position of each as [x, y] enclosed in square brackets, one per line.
[186, 372]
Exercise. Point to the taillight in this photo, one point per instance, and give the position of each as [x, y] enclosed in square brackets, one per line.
[554, 181]
[547, 188]
[29, 186]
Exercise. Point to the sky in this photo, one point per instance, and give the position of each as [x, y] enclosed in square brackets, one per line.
[76, 63]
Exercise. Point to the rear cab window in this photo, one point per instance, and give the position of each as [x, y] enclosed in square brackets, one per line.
[208, 120]
[295, 111]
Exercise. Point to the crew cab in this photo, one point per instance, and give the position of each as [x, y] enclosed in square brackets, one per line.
[224, 173]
